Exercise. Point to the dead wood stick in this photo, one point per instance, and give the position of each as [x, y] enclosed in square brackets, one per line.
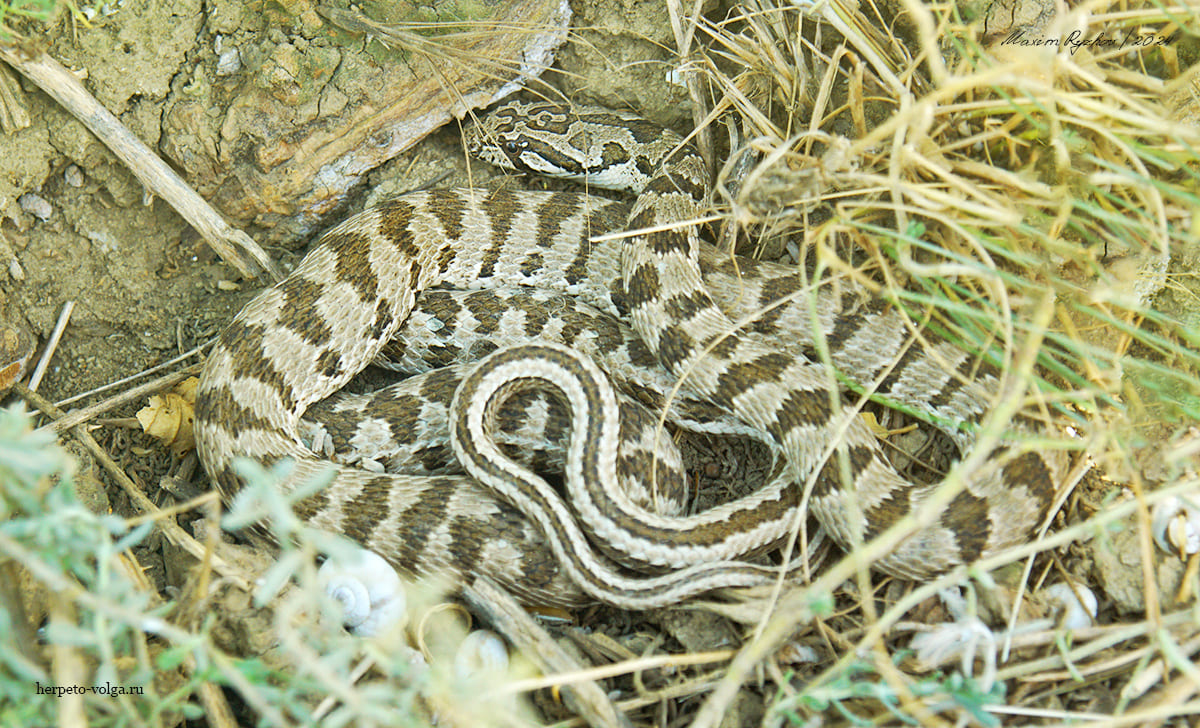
[234, 246]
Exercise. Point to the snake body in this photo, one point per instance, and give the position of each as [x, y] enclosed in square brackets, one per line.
[353, 298]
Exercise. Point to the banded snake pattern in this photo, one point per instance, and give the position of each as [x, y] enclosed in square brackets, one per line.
[359, 292]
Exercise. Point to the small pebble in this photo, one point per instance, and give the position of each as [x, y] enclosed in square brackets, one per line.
[73, 175]
[36, 205]
[229, 62]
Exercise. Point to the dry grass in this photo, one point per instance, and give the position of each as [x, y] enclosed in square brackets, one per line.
[1022, 203]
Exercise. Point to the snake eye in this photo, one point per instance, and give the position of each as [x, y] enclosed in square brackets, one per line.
[514, 145]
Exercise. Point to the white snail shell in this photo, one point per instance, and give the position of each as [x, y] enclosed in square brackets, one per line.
[1078, 602]
[794, 653]
[368, 589]
[1176, 525]
[481, 652]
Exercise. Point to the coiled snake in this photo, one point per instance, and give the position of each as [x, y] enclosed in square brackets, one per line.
[350, 298]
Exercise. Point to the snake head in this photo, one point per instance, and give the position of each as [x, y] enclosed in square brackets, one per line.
[596, 147]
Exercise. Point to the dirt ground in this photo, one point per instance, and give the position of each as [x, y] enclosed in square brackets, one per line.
[145, 286]
[76, 225]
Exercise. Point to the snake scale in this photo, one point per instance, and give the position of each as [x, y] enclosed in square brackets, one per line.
[735, 335]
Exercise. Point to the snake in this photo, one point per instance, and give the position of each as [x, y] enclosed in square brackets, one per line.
[719, 338]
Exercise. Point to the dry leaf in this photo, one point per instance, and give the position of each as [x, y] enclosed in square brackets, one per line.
[16, 346]
[169, 417]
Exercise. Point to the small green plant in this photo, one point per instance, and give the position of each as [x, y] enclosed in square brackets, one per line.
[82, 634]
[95, 617]
[858, 688]
[38, 11]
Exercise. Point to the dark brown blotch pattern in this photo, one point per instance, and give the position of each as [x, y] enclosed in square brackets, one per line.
[670, 183]
[395, 218]
[449, 209]
[299, 313]
[352, 256]
[439, 385]
[860, 458]
[367, 509]
[421, 518]
[244, 344]
[897, 505]
[773, 291]
[1029, 471]
[219, 408]
[969, 518]
[400, 412]
[802, 407]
